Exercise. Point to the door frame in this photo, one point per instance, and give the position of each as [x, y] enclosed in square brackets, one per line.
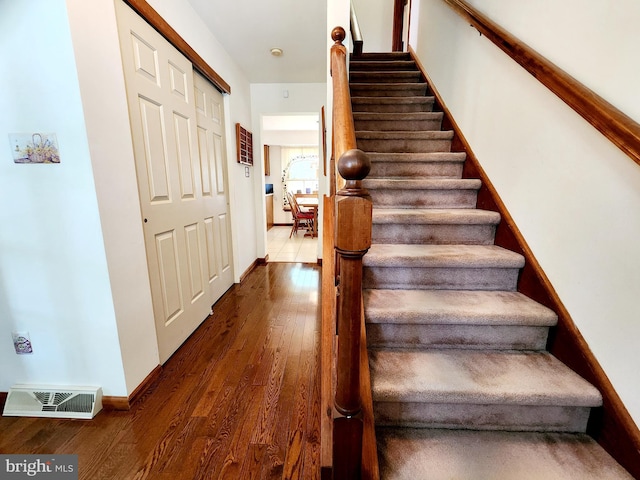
[400, 35]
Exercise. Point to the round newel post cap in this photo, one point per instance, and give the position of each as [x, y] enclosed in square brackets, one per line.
[354, 165]
[353, 206]
[338, 35]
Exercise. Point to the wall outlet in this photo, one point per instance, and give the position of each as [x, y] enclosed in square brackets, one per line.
[22, 343]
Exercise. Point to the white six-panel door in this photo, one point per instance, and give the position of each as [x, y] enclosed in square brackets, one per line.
[175, 188]
[213, 172]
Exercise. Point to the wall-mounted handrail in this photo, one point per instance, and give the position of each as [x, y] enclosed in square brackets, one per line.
[356, 34]
[619, 128]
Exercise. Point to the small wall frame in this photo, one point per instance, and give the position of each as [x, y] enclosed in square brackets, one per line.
[244, 145]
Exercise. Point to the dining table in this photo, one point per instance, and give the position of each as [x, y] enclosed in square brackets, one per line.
[310, 204]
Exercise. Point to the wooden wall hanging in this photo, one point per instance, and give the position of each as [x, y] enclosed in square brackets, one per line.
[244, 145]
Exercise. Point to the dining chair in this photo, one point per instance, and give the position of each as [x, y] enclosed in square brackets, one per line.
[300, 218]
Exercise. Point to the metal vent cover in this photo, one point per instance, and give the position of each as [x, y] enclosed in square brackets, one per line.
[53, 401]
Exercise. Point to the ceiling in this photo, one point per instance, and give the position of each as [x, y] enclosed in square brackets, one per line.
[249, 29]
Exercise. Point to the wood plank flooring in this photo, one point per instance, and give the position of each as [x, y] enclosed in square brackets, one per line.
[239, 400]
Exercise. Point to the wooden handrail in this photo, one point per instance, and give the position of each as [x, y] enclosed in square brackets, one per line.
[344, 133]
[347, 423]
[356, 34]
[619, 128]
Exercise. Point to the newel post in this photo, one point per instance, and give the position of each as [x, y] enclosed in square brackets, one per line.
[353, 239]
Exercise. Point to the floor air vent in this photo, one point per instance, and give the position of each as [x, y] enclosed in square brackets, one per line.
[51, 401]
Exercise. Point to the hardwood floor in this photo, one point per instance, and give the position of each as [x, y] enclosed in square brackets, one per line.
[239, 400]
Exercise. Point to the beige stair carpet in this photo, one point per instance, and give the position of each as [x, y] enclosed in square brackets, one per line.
[461, 382]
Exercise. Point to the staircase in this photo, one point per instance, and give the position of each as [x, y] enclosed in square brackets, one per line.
[462, 385]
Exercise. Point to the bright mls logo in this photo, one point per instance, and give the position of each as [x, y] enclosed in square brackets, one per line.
[51, 467]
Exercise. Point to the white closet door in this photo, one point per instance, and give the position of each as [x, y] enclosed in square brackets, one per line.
[162, 109]
[213, 172]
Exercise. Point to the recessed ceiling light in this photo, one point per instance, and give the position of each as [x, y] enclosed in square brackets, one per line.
[276, 52]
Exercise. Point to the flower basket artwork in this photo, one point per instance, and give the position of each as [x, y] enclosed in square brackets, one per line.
[34, 147]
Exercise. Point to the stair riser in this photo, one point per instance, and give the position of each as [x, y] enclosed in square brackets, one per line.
[404, 145]
[391, 198]
[416, 169]
[389, 90]
[482, 417]
[441, 278]
[398, 125]
[434, 234]
[492, 337]
[416, 107]
[385, 77]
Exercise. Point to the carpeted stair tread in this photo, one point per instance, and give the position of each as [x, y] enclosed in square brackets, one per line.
[403, 165]
[405, 135]
[386, 76]
[377, 65]
[407, 104]
[416, 116]
[444, 226]
[432, 454]
[431, 216]
[392, 157]
[428, 100]
[407, 141]
[468, 256]
[392, 122]
[380, 56]
[454, 307]
[477, 377]
[403, 89]
[422, 184]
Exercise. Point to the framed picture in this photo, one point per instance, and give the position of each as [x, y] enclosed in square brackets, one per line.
[34, 147]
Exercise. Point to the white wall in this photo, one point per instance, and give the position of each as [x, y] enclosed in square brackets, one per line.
[573, 194]
[98, 56]
[72, 262]
[54, 280]
[268, 99]
[375, 18]
[97, 52]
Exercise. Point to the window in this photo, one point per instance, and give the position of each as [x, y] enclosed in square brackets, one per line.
[301, 172]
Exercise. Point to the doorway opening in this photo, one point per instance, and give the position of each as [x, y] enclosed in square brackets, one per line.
[294, 157]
